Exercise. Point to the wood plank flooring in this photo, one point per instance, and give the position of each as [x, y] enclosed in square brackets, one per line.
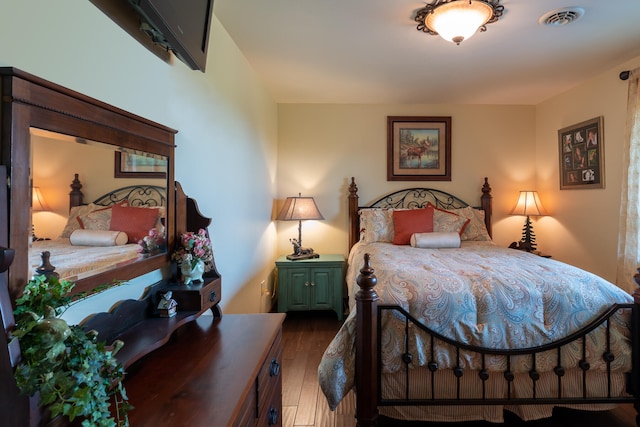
[305, 337]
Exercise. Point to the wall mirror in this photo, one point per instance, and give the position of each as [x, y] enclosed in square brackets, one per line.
[48, 134]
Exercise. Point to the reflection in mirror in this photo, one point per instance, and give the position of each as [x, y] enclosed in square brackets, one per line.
[99, 235]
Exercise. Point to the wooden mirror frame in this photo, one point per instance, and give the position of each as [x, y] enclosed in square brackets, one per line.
[31, 102]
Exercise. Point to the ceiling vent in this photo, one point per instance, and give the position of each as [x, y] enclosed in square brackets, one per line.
[562, 16]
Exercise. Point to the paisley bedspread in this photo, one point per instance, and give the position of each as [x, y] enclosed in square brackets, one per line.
[77, 262]
[479, 294]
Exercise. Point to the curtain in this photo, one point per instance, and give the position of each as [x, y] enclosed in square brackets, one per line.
[629, 235]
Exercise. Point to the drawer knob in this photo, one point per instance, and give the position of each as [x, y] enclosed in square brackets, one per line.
[273, 416]
[212, 296]
[274, 369]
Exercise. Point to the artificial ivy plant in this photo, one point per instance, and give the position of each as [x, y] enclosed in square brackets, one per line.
[76, 375]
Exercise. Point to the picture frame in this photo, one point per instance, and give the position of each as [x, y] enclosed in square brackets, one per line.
[131, 165]
[581, 149]
[418, 148]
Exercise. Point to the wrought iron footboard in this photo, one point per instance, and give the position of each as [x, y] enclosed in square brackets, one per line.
[508, 375]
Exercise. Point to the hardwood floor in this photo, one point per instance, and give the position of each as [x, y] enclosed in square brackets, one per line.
[305, 337]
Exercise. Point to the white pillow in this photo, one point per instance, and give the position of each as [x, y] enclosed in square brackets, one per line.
[83, 237]
[435, 240]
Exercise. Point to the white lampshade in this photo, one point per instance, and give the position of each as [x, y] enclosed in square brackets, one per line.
[38, 203]
[458, 20]
[299, 208]
[528, 205]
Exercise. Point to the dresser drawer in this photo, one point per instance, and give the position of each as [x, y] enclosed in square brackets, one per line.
[269, 383]
[271, 414]
[198, 297]
[247, 412]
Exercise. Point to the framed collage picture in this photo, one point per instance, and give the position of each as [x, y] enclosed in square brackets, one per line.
[419, 148]
[582, 155]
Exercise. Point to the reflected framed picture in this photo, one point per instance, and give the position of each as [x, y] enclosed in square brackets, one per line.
[581, 149]
[131, 165]
[419, 148]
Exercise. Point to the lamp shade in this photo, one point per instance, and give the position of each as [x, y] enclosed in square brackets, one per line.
[38, 203]
[299, 208]
[459, 19]
[528, 204]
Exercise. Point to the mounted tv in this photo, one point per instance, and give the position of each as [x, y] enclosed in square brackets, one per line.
[181, 26]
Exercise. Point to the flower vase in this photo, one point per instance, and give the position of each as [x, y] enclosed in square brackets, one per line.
[192, 274]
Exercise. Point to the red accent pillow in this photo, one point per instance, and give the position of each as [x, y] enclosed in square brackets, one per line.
[136, 222]
[407, 222]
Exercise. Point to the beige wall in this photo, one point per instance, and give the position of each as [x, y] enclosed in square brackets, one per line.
[322, 146]
[227, 122]
[582, 228]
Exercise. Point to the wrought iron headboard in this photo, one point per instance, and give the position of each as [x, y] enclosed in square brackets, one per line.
[136, 195]
[413, 198]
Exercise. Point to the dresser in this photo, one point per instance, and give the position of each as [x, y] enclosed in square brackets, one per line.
[313, 284]
[213, 372]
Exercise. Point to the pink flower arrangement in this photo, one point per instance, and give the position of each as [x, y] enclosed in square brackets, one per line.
[152, 243]
[194, 247]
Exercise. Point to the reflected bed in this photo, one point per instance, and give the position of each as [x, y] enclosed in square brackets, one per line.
[130, 211]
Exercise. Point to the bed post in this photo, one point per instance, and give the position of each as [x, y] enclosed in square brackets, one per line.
[486, 202]
[366, 347]
[635, 343]
[354, 228]
[75, 195]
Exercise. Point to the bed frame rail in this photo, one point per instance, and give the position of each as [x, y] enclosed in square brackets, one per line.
[368, 354]
[508, 376]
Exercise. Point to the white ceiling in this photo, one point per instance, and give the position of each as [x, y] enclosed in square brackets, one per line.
[369, 51]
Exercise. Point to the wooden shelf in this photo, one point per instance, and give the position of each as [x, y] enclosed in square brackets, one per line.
[136, 322]
[149, 335]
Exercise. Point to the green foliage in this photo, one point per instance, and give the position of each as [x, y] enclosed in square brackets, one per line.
[76, 375]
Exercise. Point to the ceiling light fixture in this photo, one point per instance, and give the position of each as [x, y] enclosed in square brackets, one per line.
[458, 20]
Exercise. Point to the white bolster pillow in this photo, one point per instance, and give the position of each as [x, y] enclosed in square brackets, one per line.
[435, 240]
[82, 237]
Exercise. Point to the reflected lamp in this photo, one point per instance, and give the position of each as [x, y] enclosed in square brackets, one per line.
[38, 204]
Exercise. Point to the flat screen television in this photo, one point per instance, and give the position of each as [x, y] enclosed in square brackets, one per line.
[181, 26]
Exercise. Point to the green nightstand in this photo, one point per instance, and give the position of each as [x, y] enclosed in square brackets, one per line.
[312, 284]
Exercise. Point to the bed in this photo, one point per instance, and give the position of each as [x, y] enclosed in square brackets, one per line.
[464, 333]
[91, 242]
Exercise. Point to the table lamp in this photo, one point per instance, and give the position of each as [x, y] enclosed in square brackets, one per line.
[297, 209]
[528, 205]
[38, 204]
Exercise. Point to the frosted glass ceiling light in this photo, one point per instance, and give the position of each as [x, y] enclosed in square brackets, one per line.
[458, 20]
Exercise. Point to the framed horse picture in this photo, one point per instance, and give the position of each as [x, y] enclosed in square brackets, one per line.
[419, 148]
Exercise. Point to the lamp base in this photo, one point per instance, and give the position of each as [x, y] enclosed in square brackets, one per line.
[522, 246]
[298, 257]
[299, 252]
